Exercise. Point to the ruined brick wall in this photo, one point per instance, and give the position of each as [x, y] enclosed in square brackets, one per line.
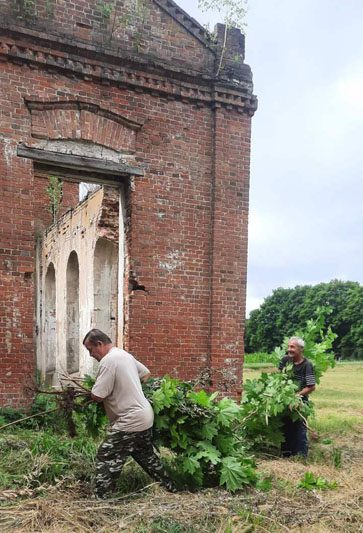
[108, 224]
[186, 217]
[144, 27]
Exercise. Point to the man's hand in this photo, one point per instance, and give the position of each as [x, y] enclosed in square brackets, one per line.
[145, 378]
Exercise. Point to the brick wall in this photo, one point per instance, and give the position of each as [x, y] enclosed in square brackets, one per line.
[147, 30]
[186, 222]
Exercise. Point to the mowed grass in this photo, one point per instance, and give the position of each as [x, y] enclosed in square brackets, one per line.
[338, 398]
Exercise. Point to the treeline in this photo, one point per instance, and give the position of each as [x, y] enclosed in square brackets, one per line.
[287, 310]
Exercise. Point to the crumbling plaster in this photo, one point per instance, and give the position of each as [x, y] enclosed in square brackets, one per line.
[78, 231]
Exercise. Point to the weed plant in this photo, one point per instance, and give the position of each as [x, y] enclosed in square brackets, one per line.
[31, 458]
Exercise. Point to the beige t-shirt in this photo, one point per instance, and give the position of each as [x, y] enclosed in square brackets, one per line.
[118, 383]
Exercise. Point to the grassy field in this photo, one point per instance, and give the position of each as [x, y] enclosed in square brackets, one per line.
[336, 456]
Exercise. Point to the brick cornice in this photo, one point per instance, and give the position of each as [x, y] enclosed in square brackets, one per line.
[202, 90]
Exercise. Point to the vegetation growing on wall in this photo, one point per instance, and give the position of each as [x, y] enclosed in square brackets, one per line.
[133, 18]
[55, 194]
[26, 10]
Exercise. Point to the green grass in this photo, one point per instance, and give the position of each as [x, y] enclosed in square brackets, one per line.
[260, 357]
[30, 458]
[339, 400]
[259, 365]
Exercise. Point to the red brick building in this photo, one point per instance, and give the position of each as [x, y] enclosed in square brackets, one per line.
[135, 96]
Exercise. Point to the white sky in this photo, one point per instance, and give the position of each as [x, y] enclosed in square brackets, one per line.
[306, 199]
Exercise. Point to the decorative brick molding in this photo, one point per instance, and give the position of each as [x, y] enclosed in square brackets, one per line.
[80, 120]
[202, 91]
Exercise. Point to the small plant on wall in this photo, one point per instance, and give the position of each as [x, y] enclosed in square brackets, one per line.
[26, 10]
[233, 13]
[55, 194]
[134, 16]
[49, 7]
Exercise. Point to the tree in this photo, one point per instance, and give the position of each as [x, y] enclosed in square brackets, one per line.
[287, 310]
[233, 12]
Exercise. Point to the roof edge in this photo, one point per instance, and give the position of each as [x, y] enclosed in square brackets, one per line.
[185, 20]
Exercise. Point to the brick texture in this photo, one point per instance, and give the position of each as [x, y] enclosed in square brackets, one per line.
[186, 224]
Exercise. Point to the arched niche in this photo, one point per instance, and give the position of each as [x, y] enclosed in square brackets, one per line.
[72, 314]
[50, 322]
[105, 269]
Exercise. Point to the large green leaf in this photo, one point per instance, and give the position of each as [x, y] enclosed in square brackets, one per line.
[190, 465]
[228, 411]
[208, 451]
[201, 397]
[233, 474]
[209, 431]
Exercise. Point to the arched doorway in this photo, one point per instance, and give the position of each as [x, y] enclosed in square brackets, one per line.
[105, 271]
[49, 328]
[72, 313]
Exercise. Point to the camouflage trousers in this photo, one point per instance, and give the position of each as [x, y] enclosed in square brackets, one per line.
[113, 452]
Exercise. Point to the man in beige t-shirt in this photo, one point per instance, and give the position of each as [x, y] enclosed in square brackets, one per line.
[118, 386]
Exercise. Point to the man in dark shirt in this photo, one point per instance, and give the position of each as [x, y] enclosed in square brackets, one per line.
[295, 432]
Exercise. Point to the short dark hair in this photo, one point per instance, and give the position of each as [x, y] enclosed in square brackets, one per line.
[96, 335]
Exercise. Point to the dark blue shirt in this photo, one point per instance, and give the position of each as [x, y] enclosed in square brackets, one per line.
[303, 372]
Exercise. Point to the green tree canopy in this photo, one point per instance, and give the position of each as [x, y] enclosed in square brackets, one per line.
[287, 310]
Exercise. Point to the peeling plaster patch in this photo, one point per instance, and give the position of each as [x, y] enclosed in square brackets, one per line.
[172, 262]
[161, 215]
[163, 201]
[83, 148]
[232, 347]
[9, 151]
[78, 130]
[8, 341]
[230, 372]
[8, 265]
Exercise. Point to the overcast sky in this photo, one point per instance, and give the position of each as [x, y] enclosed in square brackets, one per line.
[306, 197]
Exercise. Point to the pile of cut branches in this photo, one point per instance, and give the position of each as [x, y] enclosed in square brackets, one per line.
[74, 404]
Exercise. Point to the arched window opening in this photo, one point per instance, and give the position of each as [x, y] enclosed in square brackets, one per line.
[50, 323]
[105, 287]
[72, 333]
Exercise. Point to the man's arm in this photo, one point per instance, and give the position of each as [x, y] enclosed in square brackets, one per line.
[96, 398]
[104, 384]
[309, 380]
[306, 390]
[145, 377]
